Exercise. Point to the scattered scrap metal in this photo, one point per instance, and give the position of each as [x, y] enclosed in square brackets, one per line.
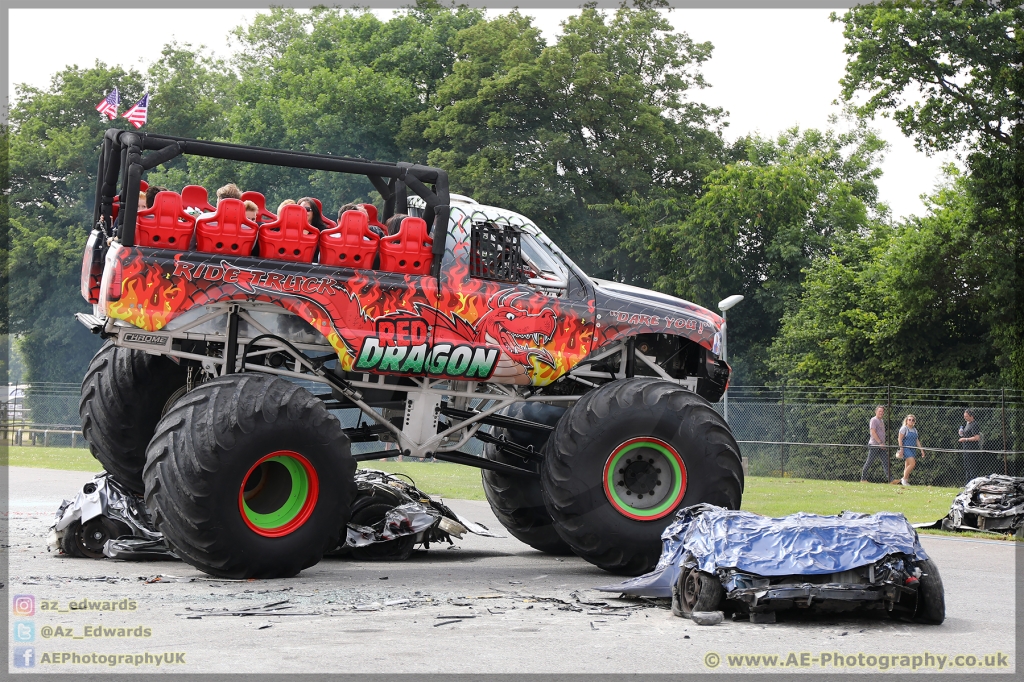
[755, 566]
[992, 504]
[390, 517]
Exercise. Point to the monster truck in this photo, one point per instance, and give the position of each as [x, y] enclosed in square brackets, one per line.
[592, 398]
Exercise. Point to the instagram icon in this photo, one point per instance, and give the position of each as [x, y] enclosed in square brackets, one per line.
[24, 605]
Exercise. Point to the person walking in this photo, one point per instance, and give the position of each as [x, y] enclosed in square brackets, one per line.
[908, 440]
[970, 441]
[876, 445]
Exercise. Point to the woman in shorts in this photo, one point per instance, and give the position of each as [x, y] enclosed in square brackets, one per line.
[908, 440]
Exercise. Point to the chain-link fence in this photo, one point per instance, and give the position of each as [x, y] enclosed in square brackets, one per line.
[803, 432]
[822, 433]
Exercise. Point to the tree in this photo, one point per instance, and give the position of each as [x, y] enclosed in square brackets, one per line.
[951, 73]
[900, 305]
[54, 139]
[558, 132]
[757, 225]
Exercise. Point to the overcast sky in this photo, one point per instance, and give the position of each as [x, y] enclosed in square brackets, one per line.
[771, 68]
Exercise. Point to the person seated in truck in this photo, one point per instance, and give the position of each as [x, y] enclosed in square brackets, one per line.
[229, 191]
[151, 194]
[313, 213]
[362, 209]
[394, 223]
[251, 210]
[286, 202]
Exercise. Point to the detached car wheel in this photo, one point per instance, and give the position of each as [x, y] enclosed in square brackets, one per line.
[87, 540]
[124, 394]
[517, 501]
[931, 596]
[624, 458]
[249, 476]
[695, 591]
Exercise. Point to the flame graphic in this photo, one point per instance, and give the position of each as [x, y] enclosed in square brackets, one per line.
[150, 298]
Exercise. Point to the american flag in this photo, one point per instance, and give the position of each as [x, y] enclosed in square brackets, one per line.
[137, 114]
[108, 107]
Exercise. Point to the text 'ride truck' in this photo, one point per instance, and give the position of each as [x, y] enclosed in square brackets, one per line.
[592, 398]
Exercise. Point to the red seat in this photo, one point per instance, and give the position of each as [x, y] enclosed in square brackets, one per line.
[227, 230]
[262, 215]
[290, 237]
[410, 251]
[371, 210]
[165, 225]
[143, 185]
[194, 196]
[115, 209]
[351, 244]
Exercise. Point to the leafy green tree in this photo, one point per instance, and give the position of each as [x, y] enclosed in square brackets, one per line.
[336, 83]
[757, 225]
[54, 140]
[54, 137]
[901, 305]
[951, 74]
[558, 132]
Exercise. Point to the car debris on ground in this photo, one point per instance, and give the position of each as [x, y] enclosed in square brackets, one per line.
[755, 566]
[989, 504]
[390, 517]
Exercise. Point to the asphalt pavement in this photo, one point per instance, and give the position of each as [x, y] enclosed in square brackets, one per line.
[483, 605]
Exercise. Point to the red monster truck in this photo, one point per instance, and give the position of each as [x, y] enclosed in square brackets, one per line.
[592, 398]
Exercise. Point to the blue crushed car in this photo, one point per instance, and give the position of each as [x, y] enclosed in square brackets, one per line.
[753, 565]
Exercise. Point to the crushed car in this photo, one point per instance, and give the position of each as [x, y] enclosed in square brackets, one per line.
[390, 517]
[993, 503]
[755, 566]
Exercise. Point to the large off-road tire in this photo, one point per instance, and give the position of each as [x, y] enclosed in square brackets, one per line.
[124, 394]
[516, 500]
[369, 511]
[695, 591]
[931, 596]
[249, 476]
[624, 458]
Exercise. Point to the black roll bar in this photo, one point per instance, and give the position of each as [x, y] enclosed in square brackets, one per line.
[121, 154]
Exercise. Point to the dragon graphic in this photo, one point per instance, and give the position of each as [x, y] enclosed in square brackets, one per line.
[507, 327]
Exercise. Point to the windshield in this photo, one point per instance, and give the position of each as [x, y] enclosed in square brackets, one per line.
[540, 259]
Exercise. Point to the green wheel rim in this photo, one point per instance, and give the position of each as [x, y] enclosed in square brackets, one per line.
[278, 494]
[671, 492]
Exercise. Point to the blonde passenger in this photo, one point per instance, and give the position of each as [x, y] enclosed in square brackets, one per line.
[251, 210]
[286, 202]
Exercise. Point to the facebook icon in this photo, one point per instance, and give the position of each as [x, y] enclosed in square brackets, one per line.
[24, 657]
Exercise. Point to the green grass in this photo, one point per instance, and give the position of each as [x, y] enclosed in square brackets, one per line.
[70, 459]
[768, 496]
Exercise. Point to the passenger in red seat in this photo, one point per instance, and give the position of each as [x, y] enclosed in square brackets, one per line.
[251, 210]
[291, 237]
[362, 209]
[151, 194]
[229, 191]
[410, 251]
[227, 230]
[394, 222]
[313, 213]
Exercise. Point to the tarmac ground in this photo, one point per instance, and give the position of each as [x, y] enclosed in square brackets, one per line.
[484, 605]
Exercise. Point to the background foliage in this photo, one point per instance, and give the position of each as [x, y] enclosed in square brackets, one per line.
[602, 138]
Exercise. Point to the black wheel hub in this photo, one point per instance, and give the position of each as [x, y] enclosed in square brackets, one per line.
[640, 475]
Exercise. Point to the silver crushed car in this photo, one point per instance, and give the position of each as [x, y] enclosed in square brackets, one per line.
[390, 517]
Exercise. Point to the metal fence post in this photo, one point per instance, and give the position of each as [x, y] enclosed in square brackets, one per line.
[1002, 410]
[888, 431]
[782, 447]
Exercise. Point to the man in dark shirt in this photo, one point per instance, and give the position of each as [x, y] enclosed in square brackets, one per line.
[970, 441]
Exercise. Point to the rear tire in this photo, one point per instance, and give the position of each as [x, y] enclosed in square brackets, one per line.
[370, 511]
[517, 501]
[695, 591]
[124, 394]
[87, 541]
[931, 595]
[249, 476]
[624, 458]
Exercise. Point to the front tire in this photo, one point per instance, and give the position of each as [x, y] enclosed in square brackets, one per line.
[124, 394]
[624, 458]
[517, 501]
[695, 591]
[249, 476]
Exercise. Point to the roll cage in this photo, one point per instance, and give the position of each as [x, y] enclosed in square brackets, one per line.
[123, 160]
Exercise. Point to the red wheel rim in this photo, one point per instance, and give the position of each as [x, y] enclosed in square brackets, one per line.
[287, 482]
[660, 453]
